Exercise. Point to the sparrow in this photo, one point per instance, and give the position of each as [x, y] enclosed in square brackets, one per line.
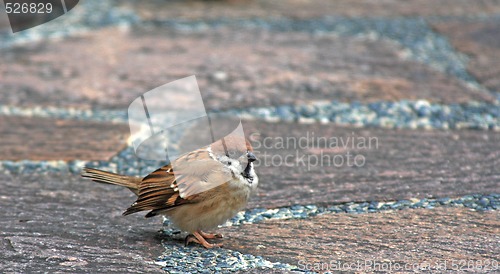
[198, 191]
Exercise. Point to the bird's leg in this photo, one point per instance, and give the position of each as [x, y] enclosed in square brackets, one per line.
[197, 238]
[210, 235]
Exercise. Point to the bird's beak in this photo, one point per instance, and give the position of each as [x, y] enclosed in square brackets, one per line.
[251, 157]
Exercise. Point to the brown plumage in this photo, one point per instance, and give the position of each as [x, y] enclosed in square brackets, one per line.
[198, 191]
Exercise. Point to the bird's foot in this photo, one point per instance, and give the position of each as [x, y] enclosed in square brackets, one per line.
[196, 237]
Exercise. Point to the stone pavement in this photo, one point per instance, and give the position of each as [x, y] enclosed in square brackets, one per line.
[377, 126]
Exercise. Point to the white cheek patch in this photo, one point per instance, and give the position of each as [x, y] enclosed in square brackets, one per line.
[233, 165]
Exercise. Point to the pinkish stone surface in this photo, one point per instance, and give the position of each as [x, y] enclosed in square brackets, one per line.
[442, 239]
[480, 42]
[48, 139]
[234, 68]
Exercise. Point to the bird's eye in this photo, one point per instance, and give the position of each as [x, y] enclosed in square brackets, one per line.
[228, 163]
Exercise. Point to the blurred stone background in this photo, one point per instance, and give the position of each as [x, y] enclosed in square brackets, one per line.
[420, 77]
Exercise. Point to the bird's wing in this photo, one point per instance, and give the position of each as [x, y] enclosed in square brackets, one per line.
[186, 180]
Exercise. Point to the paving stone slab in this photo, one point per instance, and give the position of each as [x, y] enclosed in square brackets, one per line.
[235, 68]
[67, 224]
[47, 139]
[481, 42]
[308, 8]
[392, 165]
[444, 239]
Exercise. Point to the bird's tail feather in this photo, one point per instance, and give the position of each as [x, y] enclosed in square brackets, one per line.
[106, 177]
